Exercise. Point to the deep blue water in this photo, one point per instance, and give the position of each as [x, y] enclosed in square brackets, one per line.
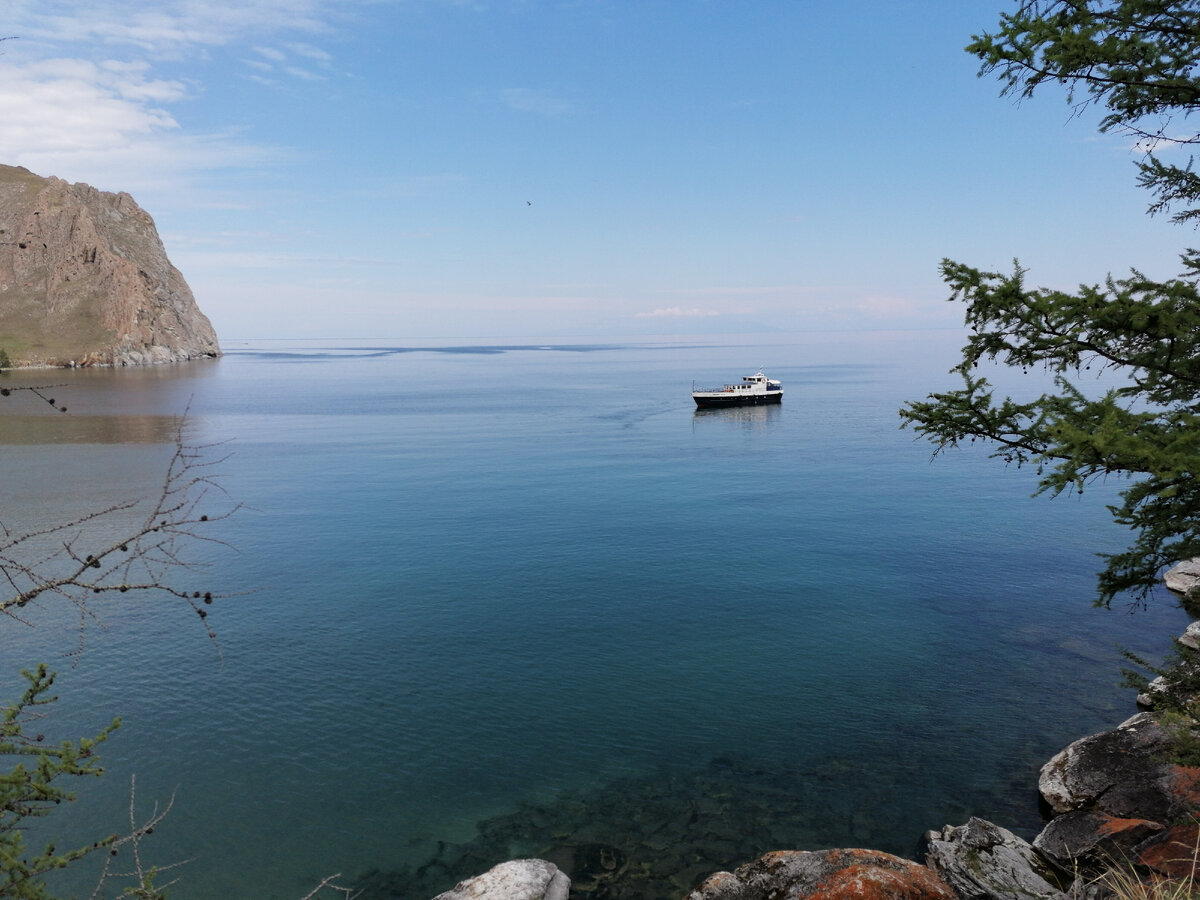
[480, 578]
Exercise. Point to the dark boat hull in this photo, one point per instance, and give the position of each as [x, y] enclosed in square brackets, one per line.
[738, 400]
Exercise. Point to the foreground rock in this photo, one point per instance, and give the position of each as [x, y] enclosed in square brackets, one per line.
[518, 879]
[790, 875]
[982, 861]
[1121, 795]
[1119, 772]
[84, 279]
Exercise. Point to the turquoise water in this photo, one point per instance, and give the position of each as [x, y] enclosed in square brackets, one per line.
[497, 598]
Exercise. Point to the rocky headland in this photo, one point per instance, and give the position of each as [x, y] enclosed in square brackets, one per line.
[84, 280]
[1124, 800]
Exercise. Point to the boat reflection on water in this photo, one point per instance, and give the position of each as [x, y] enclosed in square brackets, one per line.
[750, 417]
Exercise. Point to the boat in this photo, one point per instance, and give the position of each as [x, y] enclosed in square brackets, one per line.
[754, 390]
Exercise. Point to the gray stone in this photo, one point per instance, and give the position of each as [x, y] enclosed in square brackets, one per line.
[1191, 637]
[1148, 697]
[982, 861]
[1183, 576]
[517, 879]
[1119, 772]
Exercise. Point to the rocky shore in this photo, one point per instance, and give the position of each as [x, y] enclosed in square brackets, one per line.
[1122, 798]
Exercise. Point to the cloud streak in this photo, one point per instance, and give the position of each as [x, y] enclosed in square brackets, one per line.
[542, 103]
[167, 27]
[676, 312]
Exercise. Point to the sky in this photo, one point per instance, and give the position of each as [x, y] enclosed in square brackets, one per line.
[523, 169]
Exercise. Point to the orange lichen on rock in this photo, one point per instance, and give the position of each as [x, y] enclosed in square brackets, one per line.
[826, 874]
[1176, 853]
[876, 882]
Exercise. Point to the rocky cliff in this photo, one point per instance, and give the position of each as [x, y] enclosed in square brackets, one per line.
[84, 279]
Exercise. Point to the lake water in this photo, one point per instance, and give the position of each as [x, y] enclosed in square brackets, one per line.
[497, 599]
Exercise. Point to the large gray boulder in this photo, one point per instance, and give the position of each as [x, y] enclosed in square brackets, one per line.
[1122, 772]
[517, 879]
[982, 861]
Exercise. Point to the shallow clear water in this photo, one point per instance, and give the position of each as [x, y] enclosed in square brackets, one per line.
[489, 579]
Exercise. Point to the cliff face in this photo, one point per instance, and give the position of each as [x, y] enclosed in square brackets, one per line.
[84, 278]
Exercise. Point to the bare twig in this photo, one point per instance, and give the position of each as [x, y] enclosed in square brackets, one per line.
[110, 551]
[328, 882]
[144, 884]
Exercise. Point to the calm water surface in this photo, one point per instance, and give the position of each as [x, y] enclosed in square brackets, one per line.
[484, 578]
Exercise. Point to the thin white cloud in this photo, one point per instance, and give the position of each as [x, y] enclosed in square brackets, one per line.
[741, 291]
[1162, 143]
[310, 52]
[542, 103]
[676, 312]
[303, 74]
[275, 60]
[883, 306]
[165, 28]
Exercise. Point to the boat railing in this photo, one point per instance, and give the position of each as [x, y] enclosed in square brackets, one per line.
[746, 385]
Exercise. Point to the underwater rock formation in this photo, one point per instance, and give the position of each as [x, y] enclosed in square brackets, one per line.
[1120, 797]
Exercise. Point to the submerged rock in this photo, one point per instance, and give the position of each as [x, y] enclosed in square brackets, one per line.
[1119, 798]
[517, 879]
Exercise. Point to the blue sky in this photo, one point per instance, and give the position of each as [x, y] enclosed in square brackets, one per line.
[539, 168]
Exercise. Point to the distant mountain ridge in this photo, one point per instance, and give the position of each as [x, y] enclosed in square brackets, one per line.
[84, 279]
